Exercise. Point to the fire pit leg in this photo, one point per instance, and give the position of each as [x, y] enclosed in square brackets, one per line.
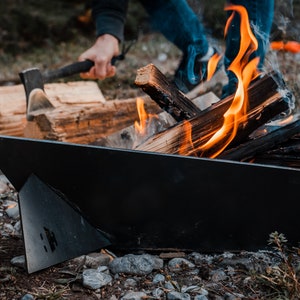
[53, 230]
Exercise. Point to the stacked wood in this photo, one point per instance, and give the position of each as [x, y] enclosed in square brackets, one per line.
[129, 137]
[13, 102]
[82, 115]
[265, 102]
[85, 124]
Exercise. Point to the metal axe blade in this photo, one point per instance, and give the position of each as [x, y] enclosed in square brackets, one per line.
[36, 98]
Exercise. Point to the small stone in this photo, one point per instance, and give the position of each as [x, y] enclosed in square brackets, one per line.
[94, 260]
[135, 264]
[94, 280]
[27, 297]
[178, 264]
[130, 282]
[178, 296]
[4, 188]
[18, 261]
[134, 296]
[158, 278]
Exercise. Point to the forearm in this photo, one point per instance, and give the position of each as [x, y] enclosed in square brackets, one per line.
[109, 17]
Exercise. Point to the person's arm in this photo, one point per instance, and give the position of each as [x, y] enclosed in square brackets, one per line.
[109, 17]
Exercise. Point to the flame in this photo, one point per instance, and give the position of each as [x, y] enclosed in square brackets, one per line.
[212, 65]
[187, 142]
[142, 125]
[245, 71]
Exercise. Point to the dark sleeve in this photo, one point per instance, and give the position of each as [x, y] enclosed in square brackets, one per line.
[109, 17]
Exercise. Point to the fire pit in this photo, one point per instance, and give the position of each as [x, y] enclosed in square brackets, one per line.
[143, 200]
[162, 194]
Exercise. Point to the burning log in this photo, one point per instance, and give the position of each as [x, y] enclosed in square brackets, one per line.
[265, 102]
[262, 143]
[128, 138]
[165, 93]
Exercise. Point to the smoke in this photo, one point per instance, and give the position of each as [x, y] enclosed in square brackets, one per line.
[285, 25]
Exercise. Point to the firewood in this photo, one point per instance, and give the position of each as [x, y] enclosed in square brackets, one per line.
[262, 93]
[84, 124]
[263, 143]
[165, 93]
[13, 102]
[128, 137]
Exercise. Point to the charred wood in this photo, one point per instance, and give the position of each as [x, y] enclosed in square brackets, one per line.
[262, 144]
[153, 82]
[265, 102]
[128, 138]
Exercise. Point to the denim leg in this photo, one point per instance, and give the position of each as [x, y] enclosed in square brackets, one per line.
[260, 14]
[178, 23]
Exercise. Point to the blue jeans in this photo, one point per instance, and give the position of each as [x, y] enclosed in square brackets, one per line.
[260, 14]
[179, 24]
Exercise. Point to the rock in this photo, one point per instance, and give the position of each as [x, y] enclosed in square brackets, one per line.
[178, 264]
[94, 279]
[19, 261]
[134, 296]
[178, 296]
[135, 264]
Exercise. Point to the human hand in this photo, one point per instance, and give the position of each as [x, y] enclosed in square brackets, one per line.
[101, 53]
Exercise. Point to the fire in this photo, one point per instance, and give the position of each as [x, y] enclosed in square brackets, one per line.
[187, 142]
[212, 65]
[245, 71]
[142, 125]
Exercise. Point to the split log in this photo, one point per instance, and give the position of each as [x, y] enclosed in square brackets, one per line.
[85, 124]
[265, 102]
[13, 102]
[165, 93]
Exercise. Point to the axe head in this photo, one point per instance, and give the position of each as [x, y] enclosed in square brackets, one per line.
[31, 79]
[36, 99]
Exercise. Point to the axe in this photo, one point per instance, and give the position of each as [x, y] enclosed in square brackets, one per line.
[33, 81]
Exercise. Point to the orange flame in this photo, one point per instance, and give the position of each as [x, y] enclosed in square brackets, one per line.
[245, 72]
[212, 65]
[142, 125]
[187, 140]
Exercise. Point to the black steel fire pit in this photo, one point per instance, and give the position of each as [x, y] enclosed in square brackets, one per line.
[72, 195]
